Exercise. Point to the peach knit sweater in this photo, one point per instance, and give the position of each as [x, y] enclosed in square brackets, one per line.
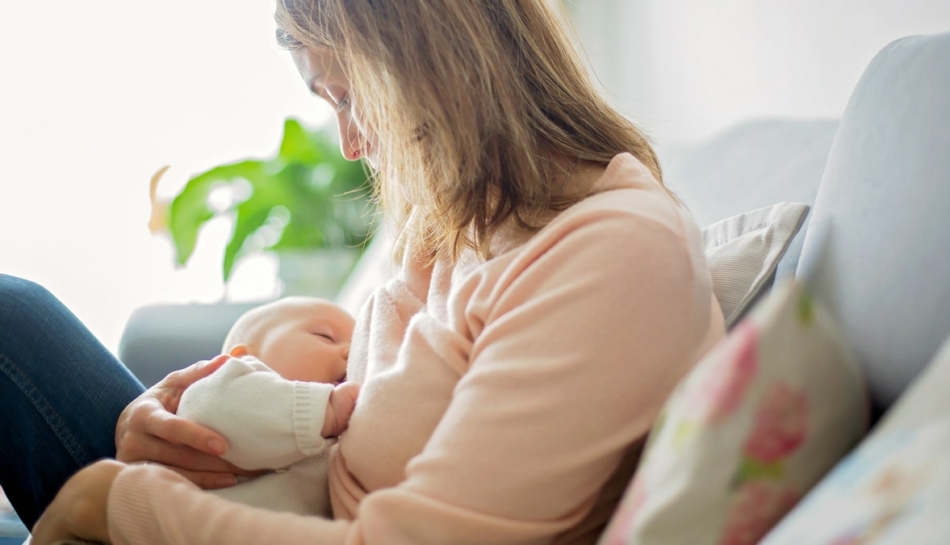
[503, 402]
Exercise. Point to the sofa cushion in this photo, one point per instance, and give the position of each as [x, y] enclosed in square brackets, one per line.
[882, 215]
[751, 429]
[743, 251]
[749, 166]
[895, 487]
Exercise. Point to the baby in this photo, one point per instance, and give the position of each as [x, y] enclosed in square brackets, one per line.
[280, 401]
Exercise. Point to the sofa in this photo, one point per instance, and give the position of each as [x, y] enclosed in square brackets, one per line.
[875, 245]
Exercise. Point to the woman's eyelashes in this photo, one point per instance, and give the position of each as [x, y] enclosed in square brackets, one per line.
[343, 103]
[338, 100]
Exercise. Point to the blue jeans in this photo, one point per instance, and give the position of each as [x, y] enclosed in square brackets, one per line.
[61, 393]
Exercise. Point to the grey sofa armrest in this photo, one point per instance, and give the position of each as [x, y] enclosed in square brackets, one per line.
[159, 339]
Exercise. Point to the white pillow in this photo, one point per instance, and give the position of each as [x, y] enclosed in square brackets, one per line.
[743, 251]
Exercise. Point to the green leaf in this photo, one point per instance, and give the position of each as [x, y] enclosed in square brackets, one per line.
[267, 193]
[806, 309]
[298, 145]
[751, 470]
[189, 210]
[328, 198]
[248, 221]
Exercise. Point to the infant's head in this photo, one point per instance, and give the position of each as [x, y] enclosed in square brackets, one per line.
[301, 338]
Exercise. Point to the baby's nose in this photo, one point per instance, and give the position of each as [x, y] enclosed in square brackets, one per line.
[345, 351]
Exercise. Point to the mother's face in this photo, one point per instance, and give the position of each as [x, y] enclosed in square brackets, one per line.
[325, 78]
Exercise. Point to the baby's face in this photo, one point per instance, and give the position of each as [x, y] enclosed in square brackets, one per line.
[300, 338]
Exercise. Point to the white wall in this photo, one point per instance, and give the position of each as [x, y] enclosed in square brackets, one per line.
[685, 69]
[94, 97]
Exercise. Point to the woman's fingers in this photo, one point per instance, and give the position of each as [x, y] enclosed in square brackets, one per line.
[179, 431]
[204, 470]
[207, 480]
[184, 378]
[180, 456]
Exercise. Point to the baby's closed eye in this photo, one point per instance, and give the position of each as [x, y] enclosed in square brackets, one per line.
[328, 336]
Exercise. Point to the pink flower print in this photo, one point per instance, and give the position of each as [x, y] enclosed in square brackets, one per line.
[780, 425]
[623, 521]
[850, 538]
[756, 508]
[722, 387]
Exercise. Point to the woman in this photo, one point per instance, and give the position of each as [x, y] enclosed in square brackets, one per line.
[551, 294]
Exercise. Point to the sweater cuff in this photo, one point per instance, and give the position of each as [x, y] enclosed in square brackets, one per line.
[127, 508]
[310, 411]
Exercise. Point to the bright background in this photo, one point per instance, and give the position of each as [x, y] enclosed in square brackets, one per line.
[685, 69]
[96, 96]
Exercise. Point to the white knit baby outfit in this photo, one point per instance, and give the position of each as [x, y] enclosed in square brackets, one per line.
[270, 423]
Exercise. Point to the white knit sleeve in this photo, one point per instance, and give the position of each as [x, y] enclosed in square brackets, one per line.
[269, 422]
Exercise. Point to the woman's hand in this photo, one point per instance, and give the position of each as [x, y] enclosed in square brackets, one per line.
[148, 430]
[79, 510]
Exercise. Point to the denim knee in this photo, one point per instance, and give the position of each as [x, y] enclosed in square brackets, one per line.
[21, 301]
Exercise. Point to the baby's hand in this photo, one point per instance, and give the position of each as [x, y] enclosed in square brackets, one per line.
[340, 408]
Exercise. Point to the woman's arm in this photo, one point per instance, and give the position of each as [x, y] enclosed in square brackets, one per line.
[85, 506]
[79, 509]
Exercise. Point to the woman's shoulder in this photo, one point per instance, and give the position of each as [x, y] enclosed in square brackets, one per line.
[629, 218]
[628, 196]
[627, 213]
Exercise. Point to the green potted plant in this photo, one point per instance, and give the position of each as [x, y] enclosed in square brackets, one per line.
[308, 204]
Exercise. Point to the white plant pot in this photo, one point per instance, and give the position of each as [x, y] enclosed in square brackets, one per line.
[318, 272]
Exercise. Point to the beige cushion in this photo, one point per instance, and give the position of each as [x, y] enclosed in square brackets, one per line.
[743, 251]
[748, 432]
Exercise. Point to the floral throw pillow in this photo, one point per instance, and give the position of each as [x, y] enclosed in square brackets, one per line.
[894, 489]
[748, 432]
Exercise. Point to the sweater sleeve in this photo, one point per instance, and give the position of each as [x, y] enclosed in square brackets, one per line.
[564, 376]
[151, 504]
[268, 421]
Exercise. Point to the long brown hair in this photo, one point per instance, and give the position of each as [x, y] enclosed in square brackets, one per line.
[478, 106]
